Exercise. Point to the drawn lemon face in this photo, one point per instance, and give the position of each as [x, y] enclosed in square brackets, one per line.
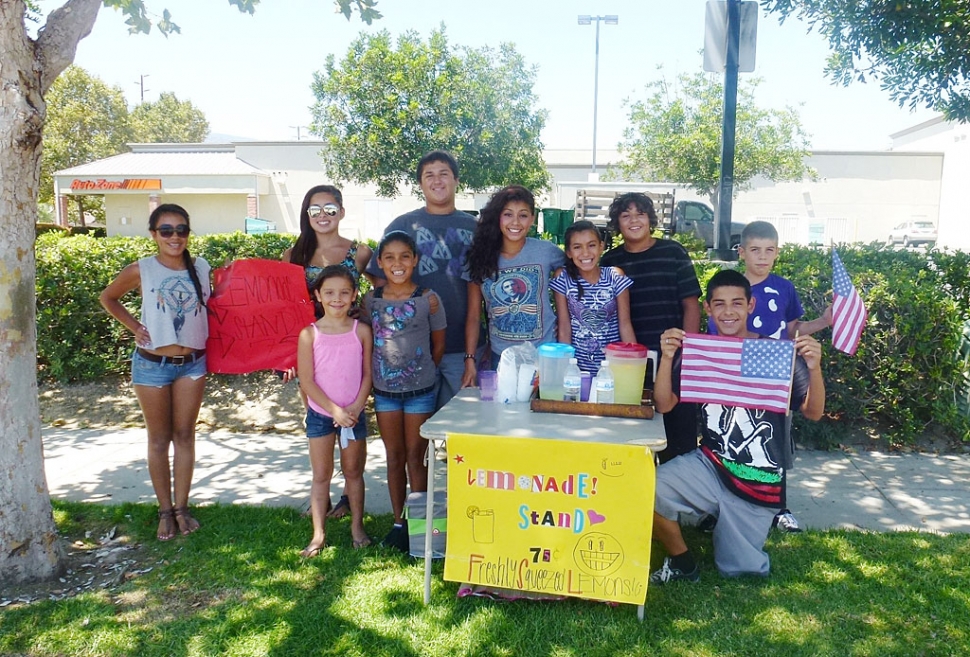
[598, 554]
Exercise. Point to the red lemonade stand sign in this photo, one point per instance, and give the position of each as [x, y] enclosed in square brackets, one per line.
[553, 517]
[256, 312]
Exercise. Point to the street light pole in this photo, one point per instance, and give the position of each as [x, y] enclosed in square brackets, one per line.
[611, 19]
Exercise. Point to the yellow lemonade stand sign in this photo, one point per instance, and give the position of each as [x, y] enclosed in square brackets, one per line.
[550, 516]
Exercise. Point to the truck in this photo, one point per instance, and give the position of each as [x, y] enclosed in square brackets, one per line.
[673, 216]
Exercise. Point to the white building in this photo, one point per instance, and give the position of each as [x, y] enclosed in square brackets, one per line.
[856, 196]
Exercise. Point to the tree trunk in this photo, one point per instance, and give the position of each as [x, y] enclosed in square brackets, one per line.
[29, 548]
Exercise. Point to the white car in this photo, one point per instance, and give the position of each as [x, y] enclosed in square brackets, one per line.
[913, 232]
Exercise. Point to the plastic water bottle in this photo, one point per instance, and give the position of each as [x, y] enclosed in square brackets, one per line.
[572, 381]
[604, 384]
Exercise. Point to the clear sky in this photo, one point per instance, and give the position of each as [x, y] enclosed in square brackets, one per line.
[251, 75]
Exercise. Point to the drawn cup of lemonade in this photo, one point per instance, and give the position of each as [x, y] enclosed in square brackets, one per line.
[483, 524]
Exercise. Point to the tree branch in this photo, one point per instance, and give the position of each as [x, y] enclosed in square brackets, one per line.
[57, 41]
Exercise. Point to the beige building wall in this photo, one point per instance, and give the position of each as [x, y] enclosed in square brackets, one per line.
[857, 196]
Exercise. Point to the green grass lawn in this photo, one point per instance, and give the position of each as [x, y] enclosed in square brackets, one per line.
[239, 587]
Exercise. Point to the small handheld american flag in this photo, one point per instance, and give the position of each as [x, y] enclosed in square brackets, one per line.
[848, 311]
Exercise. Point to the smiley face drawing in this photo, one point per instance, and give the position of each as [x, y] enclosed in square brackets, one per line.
[611, 467]
[598, 554]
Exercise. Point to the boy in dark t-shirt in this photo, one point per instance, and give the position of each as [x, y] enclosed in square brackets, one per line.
[663, 295]
[737, 474]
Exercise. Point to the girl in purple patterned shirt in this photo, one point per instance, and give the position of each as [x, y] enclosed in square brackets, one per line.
[594, 298]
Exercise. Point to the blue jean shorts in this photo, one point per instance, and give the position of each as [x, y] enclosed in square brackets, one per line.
[420, 405]
[158, 375]
[319, 425]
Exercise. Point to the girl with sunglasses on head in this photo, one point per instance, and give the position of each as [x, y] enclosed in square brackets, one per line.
[320, 245]
[168, 365]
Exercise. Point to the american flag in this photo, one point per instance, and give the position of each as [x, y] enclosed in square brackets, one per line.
[737, 372]
[848, 311]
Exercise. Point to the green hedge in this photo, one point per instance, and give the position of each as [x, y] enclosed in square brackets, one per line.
[906, 376]
[904, 379]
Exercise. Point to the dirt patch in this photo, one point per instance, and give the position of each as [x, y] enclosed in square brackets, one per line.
[239, 403]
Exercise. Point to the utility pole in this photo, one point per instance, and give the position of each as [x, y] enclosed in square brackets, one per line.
[141, 86]
[611, 19]
[298, 128]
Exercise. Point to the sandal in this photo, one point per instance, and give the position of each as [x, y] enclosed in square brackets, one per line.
[186, 522]
[166, 518]
[342, 508]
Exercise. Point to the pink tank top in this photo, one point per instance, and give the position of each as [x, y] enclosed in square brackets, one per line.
[337, 366]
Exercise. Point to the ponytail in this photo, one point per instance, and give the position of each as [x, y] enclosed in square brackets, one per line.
[194, 275]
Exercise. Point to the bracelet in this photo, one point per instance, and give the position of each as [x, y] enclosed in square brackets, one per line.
[471, 356]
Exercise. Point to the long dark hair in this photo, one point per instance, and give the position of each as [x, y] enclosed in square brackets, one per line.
[330, 271]
[172, 208]
[487, 244]
[571, 269]
[306, 243]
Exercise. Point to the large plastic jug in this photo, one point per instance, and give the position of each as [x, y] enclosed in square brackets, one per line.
[628, 361]
[553, 360]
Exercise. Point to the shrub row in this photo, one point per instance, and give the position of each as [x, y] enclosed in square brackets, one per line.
[905, 376]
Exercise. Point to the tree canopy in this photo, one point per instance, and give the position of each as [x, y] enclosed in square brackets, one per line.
[86, 120]
[168, 120]
[140, 18]
[384, 105]
[917, 51]
[675, 135]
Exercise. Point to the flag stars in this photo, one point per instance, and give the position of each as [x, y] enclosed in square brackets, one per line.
[767, 359]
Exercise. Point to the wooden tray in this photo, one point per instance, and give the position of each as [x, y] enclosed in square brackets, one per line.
[585, 408]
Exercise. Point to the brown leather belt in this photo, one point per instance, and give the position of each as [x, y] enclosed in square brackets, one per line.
[174, 360]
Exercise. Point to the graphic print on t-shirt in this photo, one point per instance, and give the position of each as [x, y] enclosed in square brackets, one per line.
[744, 434]
[592, 327]
[434, 251]
[515, 312]
[177, 294]
[772, 303]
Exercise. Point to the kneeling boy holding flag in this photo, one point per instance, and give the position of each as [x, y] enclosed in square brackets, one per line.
[744, 385]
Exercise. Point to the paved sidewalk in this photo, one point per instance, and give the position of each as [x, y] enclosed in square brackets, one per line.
[868, 490]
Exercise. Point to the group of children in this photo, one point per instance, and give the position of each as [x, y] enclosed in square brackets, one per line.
[398, 350]
[435, 275]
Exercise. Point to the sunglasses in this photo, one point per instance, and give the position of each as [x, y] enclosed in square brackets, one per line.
[330, 209]
[167, 230]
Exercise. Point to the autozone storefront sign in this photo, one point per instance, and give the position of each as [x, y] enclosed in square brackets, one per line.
[128, 183]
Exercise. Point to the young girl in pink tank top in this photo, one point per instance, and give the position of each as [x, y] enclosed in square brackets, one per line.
[334, 366]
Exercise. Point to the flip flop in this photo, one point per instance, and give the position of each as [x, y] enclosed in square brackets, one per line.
[309, 552]
[342, 508]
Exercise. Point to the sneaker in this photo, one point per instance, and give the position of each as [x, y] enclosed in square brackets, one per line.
[668, 574]
[398, 539]
[786, 522]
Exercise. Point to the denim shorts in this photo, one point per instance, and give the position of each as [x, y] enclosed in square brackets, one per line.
[420, 405]
[158, 375]
[319, 425]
